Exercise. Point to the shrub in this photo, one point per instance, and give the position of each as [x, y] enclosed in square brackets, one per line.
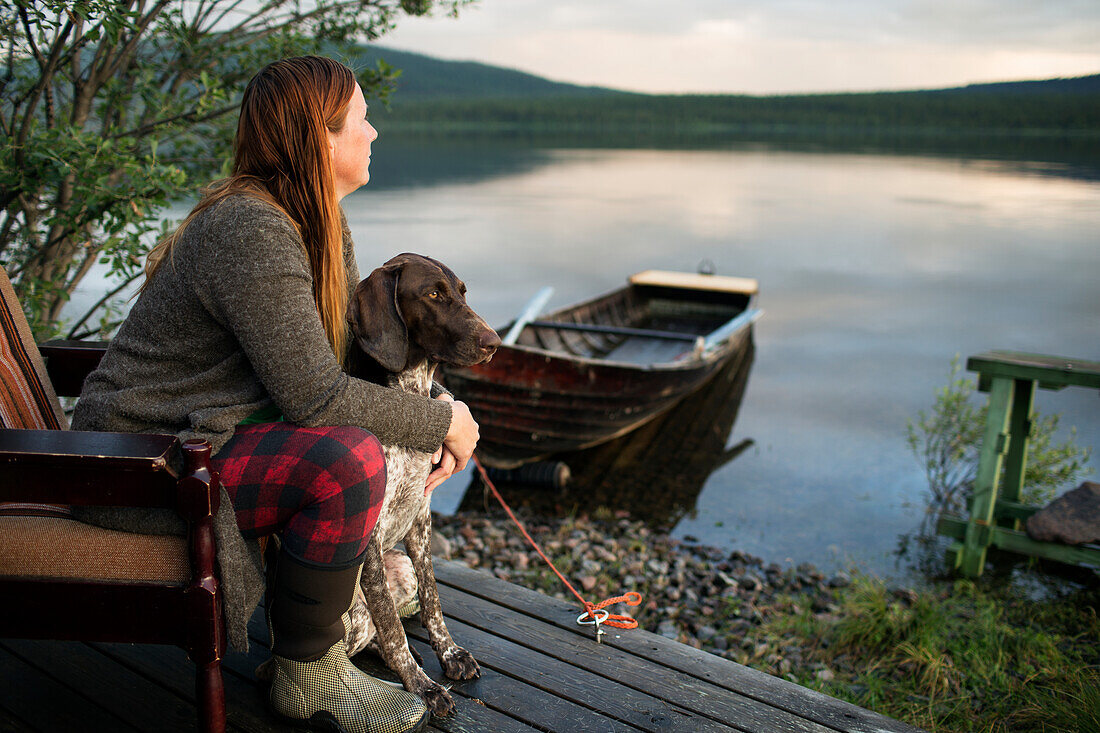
[947, 440]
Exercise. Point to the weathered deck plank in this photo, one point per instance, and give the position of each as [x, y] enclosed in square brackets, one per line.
[571, 687]
[35, 700]
[134, 698]
[769, 691]
[692, 704]
[540, 672]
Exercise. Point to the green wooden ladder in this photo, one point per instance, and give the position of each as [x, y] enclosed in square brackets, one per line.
[996, 514]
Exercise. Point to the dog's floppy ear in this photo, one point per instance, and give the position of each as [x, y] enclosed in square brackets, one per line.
[376, 322]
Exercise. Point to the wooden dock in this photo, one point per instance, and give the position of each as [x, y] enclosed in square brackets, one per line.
[540, 672]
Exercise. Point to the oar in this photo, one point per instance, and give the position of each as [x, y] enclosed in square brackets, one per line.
[530, 312]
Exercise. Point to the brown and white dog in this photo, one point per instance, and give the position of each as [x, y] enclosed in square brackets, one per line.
[406, 318]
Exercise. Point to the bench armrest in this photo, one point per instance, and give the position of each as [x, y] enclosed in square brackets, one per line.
[77, 467]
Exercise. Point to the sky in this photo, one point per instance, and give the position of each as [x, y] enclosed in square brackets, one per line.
[768, 46]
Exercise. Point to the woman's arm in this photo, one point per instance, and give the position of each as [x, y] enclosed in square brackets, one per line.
[256, 282]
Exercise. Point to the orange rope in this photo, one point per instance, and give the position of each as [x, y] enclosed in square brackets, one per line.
[631, 598]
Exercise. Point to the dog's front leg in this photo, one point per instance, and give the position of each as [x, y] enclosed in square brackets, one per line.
[457, 663]
[391, 635]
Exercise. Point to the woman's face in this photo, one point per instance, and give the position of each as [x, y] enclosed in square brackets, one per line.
[350, 147]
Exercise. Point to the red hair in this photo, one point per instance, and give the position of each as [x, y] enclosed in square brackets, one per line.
[282, 156]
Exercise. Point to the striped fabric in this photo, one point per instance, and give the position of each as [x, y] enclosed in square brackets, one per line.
[27, 399]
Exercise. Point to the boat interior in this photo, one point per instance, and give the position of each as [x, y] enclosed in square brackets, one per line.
[638, 325]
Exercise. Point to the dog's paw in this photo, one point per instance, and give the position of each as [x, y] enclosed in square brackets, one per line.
[459, 664]
[437, 699]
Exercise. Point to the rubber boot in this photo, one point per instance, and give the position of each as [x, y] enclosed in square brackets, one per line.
[315, 682]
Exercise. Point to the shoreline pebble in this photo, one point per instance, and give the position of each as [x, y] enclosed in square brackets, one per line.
[703, 596]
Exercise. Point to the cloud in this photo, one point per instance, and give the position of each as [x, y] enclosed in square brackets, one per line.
[778, 46]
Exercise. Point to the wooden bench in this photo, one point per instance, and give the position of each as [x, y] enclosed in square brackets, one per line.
[996, 513]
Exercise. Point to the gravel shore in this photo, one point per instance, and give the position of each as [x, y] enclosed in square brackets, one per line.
[699, 595]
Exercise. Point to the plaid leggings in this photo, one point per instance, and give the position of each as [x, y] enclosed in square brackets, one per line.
[320, 488]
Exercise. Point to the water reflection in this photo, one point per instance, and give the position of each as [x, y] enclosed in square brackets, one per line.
[426, 156]
[875, 270]
[400, 162]
[656, 472]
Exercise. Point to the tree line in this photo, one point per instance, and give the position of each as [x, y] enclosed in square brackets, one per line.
[1023, 112]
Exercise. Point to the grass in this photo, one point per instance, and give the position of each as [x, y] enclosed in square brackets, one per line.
[957, 657]
[1017, 651]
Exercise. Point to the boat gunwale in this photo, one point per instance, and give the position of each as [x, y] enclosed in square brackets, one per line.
[692, 361]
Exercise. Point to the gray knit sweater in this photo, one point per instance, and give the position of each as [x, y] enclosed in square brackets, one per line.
[227, 327]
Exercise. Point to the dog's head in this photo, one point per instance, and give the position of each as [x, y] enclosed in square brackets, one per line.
[414, 307]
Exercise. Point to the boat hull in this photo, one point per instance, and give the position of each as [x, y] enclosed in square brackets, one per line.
[532, 402]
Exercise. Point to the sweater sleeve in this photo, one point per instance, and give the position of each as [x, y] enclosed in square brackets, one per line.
[255, 280]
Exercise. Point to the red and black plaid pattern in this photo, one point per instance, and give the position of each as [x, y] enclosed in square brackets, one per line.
[320, 489]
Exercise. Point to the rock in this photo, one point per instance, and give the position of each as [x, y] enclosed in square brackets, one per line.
[840, 580]
[668, 629]
[705, 633]
[1072, 519]
[441, 546]
[751, 583]
[825, 675]
[520, 560]
[908, 596]
[588, 582]
[658, 567]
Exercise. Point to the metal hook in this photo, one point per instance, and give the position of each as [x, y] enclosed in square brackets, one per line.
[596, 620]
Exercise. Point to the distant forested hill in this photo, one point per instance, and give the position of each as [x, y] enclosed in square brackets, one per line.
[1074, 85]
[423, 77]
[436, 95]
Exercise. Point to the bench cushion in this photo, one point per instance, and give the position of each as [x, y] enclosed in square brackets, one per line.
[55, 547]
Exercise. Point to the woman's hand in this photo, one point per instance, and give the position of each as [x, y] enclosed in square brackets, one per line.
[444, 462]
[463, 434]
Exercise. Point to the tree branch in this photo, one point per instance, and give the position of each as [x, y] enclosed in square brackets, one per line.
[127, 52]
[193, 116]
[35, 94]
[30, 38]
[99, 304]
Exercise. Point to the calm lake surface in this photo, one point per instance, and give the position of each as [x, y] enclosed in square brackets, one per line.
[875, 270]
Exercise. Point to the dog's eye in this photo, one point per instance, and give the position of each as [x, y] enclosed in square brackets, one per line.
[434, 295]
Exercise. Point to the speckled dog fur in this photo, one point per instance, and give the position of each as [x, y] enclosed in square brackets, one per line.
[407, 317]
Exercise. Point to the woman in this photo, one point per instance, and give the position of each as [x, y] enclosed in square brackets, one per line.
[237, 337]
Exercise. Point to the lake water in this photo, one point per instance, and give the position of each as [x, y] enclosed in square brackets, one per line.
[875, 270]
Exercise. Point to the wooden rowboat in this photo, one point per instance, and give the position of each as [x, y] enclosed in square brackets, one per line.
[586, 374]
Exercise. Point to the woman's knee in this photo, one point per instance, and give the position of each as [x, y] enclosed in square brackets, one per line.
[344, 499]
[353, 460]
